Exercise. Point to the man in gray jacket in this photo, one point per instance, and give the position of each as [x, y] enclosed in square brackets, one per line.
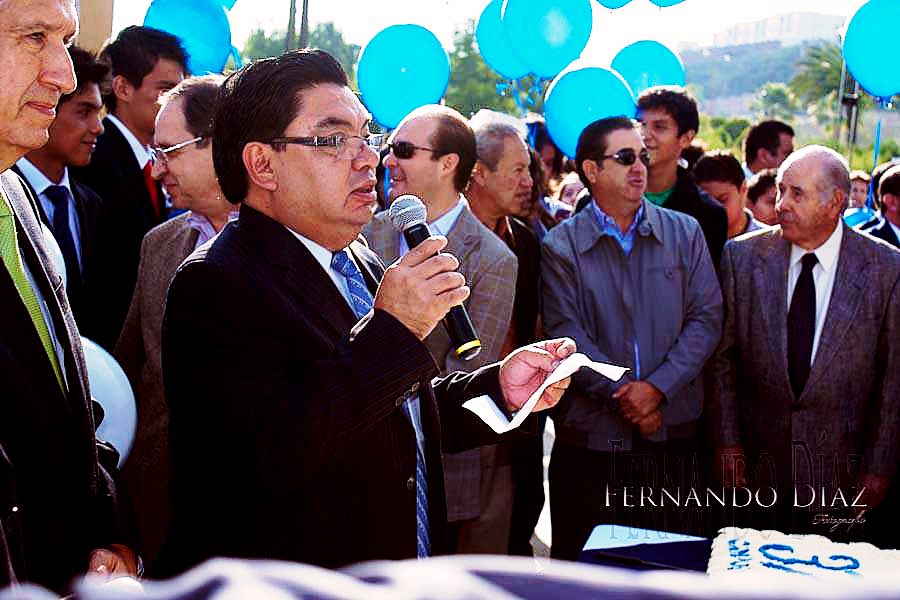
[634, 285]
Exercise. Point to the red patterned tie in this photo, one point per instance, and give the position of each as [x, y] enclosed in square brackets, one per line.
[152, 188]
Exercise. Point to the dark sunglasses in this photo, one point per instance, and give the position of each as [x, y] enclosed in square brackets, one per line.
[406, 150]
[627, 157]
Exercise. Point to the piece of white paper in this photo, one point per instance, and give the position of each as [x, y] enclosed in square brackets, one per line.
[488, 411]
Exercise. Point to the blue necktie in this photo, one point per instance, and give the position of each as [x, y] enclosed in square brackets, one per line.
[59, 196]
[361, 300]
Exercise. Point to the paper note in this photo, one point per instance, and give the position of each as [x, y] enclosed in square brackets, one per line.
[491, 414]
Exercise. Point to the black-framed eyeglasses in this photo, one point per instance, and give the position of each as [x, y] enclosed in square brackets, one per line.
[627, 157]
[405, 150]
[343, 146]
[162, 155]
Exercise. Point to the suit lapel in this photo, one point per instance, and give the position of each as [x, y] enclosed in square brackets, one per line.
[121, 149]
[462, 240]
[770, 277]
[849, 286]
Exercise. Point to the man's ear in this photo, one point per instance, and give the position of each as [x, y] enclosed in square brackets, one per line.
[685, 139]
[258, 158]
[122, 89]
[448, 163]
[479, 174]
[591, 170]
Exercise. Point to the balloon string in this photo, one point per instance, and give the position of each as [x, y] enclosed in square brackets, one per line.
[870, 197]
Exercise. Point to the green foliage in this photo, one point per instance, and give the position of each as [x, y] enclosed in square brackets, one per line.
[473, 85]
[735, 70]
[817, 80]
[722, 133]
[774, 100]
[325, 36]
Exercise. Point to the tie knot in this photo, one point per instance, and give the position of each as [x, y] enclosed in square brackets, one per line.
[341, 263]
[809, 260]
[58, 195]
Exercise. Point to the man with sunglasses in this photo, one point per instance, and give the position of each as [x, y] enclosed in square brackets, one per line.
[432, 154]
[304, 422]
[72, 210]
[632, 284]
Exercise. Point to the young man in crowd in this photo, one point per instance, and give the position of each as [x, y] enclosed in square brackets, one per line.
[720, 175]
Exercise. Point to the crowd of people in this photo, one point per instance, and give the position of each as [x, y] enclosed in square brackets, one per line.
[227, 239]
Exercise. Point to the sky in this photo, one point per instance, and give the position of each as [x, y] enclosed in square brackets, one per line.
[359, 20]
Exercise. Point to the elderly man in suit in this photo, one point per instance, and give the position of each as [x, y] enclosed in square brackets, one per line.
[72, 210]
[182, 160]
[144, 63]
[304, 422]
[57, 503]
[432, 154]
[633, 284]
[805, 386]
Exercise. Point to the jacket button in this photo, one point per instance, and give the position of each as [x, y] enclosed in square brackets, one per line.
[411, 483]
[399, 401]
[414, 389]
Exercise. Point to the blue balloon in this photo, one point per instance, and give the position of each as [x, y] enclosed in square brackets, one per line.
[201, 25]
[580, 96]
[402, 68]
[647, 63]
[547, 35]
[870, 47]
[493, 45]
[111, 389]
[613, 3]
[665, 3]
[228, 4]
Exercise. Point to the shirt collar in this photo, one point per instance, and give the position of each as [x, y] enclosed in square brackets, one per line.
[322, 254]
[445, 223]
[827, 254]
[141, 154]
[38, 181]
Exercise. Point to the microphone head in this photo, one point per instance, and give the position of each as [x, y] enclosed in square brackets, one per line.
[407, 210]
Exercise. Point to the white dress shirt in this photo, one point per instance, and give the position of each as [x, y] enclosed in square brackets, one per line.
[441, 225]
[39, 183]
[823, 277]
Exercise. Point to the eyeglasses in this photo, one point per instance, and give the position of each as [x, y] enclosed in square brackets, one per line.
[345, 147]
[405, 150]
[627, 157]
[162, 155]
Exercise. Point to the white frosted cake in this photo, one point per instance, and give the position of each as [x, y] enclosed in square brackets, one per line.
[755, 553]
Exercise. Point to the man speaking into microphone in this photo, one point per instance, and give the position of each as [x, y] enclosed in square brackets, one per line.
[304, 422]
[432, 154]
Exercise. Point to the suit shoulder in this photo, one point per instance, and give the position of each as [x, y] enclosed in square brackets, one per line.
[169, 229]
[876, 248]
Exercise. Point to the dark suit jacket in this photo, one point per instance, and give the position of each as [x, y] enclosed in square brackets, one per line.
[64, 499]
[86, 300]
[885, 232]
[689, 199]
[848, 417]
[114, 174]
[287, 432]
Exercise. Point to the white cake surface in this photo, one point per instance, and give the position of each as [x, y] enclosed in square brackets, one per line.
[750, 552]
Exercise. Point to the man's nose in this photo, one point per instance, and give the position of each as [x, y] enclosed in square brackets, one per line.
[57, 70]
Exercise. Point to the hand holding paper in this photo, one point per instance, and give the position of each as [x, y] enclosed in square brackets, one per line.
[536, 380]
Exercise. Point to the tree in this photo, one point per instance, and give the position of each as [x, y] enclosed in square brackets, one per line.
[774, 101]
[473, 85]
[817, 80]
[291, 26]
[325, 36]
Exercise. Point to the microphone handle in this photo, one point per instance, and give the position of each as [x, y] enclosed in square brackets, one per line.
[457, 323]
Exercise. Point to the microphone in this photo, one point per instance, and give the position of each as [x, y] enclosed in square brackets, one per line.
[408, 215]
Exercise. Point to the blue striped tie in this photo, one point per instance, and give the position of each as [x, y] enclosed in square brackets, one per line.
[361, 300]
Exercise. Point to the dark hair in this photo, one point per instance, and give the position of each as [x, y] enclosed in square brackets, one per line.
[592, 142]
[890, 182]
[258, 103]
[454, 136]
[693, 153]
[674, 100]
[879, 171]
[135, 52]
[760, 183]
[198, 101]
[765, 134]
[87, 70]
[538, 137]
[719, 165]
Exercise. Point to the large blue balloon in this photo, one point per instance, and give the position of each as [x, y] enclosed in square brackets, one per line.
[493, 45]
[547, 35]
[581, 95]
[201, 25]
[111, 389]
[647, 63]
[402, 68]
[613, 3]
[870, 47]
[666, 2]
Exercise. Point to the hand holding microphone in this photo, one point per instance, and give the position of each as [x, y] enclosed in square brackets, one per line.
[423, 287]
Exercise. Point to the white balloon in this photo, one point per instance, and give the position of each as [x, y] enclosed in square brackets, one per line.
[111, 389]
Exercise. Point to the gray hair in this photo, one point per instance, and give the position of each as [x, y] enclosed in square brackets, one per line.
[835, 172]
[492, 129]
